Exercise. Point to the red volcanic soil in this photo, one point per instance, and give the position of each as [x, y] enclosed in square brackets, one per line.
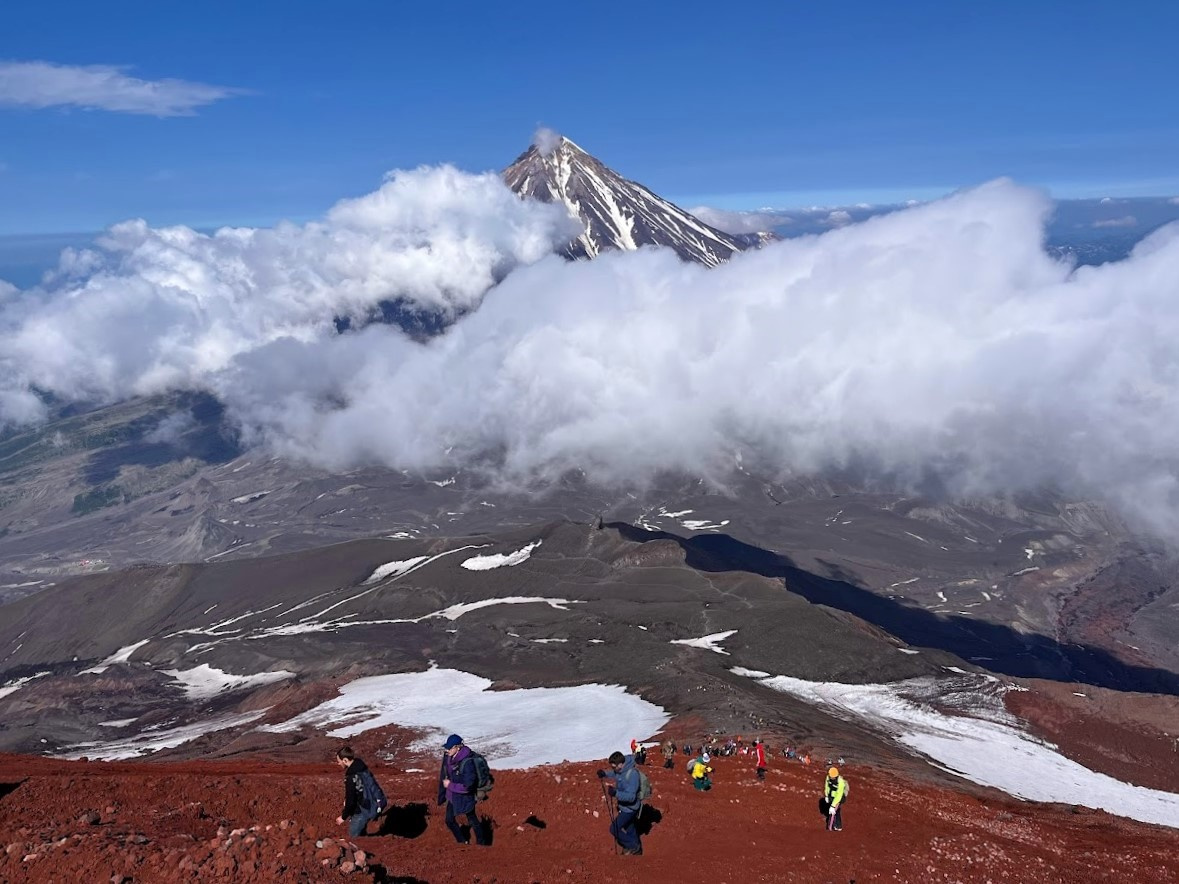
[252, 821]
[1131, 737]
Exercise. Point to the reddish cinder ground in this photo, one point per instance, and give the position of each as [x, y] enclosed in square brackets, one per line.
[192, 821]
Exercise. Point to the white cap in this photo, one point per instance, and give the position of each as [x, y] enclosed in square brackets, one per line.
[705, 758]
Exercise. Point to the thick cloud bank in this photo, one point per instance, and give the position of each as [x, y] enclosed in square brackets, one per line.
[940, 340]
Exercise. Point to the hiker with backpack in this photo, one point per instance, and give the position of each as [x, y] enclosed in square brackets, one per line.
[699, 769]
[631, 787]
[463, 778]
[668, 754]
[835, 790]
[363, 799]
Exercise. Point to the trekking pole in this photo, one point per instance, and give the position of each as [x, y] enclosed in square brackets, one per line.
[610, 811]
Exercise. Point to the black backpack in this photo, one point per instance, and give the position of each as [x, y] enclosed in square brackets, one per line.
[371, 796]
[484, 778]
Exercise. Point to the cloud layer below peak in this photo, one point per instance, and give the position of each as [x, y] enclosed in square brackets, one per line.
[940, 340]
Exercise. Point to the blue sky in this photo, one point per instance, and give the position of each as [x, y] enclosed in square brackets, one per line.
[760, 103]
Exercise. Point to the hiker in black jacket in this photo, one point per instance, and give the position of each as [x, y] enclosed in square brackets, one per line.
[363, 798]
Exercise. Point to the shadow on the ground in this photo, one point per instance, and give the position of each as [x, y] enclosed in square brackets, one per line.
[648, 818]
[1008, 651]
[405, 820]
[200, 433]
[381, 876]
[8, 788]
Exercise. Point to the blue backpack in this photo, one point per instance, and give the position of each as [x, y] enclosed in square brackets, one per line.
[371, 796]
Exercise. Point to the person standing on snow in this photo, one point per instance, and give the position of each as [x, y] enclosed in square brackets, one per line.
[456, 789]
[759, 750]
[835, 791]
[626, 788]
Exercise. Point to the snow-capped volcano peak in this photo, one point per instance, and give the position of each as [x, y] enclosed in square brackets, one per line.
[617, 213]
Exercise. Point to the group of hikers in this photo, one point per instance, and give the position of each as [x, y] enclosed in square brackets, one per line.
[464, 779]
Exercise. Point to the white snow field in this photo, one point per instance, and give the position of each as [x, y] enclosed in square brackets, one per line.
[991, 751]
[206, 681]
[514, 729]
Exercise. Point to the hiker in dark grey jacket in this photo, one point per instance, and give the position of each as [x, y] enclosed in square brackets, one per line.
[626, 791]
[363, 799]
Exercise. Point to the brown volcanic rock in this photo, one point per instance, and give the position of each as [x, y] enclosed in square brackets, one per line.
[258, 822]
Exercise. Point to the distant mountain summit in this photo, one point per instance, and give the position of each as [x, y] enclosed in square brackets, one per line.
[617, 213]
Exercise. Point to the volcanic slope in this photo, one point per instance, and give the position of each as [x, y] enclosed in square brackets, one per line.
[258, 655]
[1019, 584]
[560, 604]
[616, 213]
[262, 822]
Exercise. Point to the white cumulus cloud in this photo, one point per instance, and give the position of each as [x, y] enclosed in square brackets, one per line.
[41, 84]
[739, 222]
[159, 309]
[546, 140]
[938, 340]
[1124, 221]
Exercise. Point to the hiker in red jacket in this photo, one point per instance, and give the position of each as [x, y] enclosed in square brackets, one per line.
[759, 750]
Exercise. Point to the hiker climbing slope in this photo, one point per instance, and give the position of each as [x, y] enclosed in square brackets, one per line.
[699, 769]
[835, 789]
[759, 751]
[628, 791]
[363, 799]
[458, 781]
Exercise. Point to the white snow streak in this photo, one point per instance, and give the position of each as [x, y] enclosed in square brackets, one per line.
[150, 741]
[122, 655]
[206, 681]
[708, 642]
[499, 560]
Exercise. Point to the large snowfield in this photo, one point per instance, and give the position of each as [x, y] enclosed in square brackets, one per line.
[515, 729]
[991, 751]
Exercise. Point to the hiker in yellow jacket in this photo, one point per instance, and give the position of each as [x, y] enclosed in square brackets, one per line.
[835, 791]
[700, 770]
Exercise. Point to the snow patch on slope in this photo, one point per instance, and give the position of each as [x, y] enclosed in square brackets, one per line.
[122, 655]
[500, 560]
[992, 752]
[206, 681]
[154, 740]
[708, 642]
[514, 729]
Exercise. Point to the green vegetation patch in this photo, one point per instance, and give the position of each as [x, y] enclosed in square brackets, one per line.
[99, 498]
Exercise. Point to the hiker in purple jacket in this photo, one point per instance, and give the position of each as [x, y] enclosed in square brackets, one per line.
[456, 789]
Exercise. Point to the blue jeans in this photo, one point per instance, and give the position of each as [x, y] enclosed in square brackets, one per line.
[623, 828]
[472, 821]
[359, 821]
